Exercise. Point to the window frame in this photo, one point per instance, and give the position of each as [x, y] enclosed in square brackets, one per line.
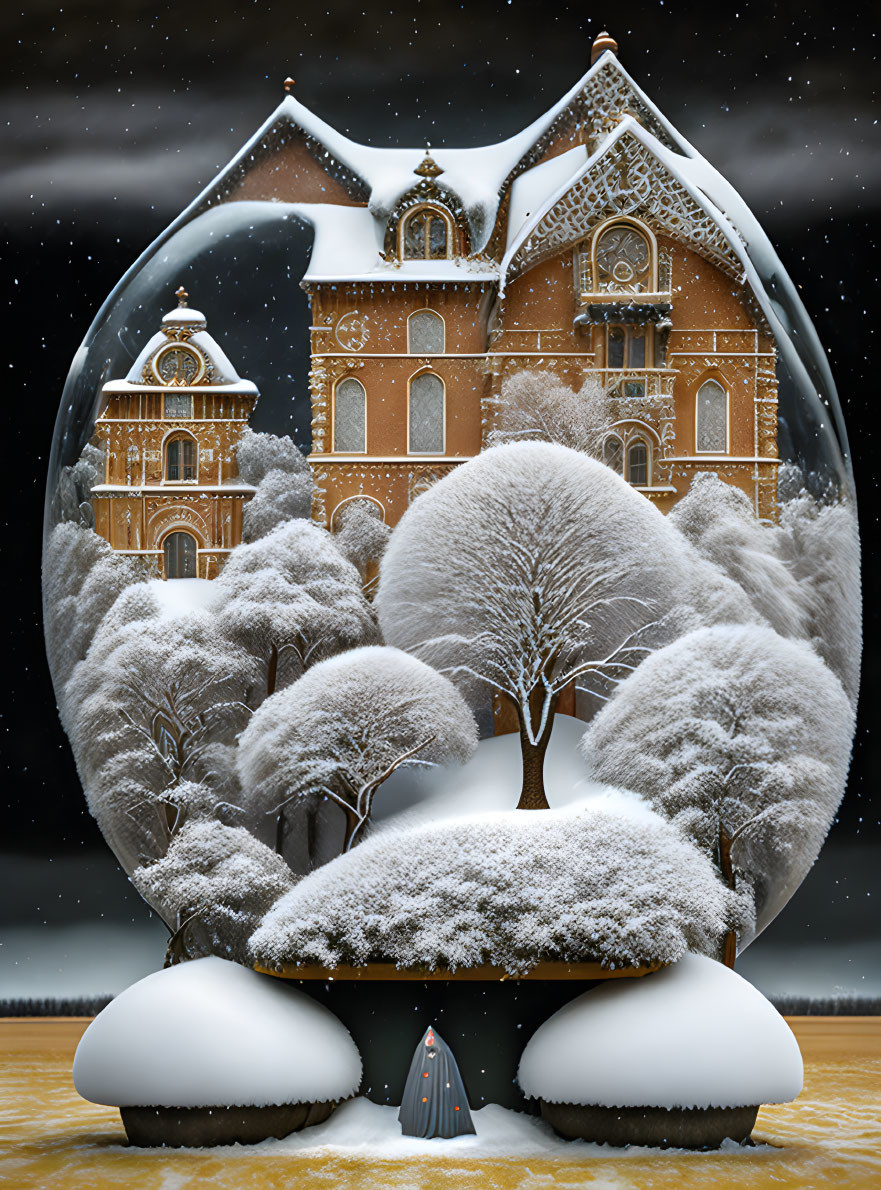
[413, 380]
[593, 267]
[727, 393]
[336, 387]
[180, 436]
[427, 310]
[433, 209]
[179, 531]
[638, 440]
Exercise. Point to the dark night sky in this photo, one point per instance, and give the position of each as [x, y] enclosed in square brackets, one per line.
[116, 116]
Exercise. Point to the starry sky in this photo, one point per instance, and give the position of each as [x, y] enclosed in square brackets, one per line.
[117, 116]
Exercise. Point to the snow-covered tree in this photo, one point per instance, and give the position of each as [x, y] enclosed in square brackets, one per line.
[720, 522]
[291, 600]
[82, 577]
[156, 702]
[345, 727]
[525, 569]
[823, 550]
[71, 500]
[742, 738]
[539, 407]
[212, 888]
[361, 537]
[283, 480]
[580, 884]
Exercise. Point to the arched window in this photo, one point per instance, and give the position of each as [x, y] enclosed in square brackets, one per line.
[426, 421]
[181, 459]
[179, 550]
[711, 418]
[626, 346]
[623, 260]
[613, 453]
[638, 463]
[426, 234]
[426, 333]
[350, 416]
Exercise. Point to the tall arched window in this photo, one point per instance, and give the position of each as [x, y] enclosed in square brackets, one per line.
[181, 459]
[638, 463]
[426, 234]
[426, 333]
[711, 418]
[613, 453]
[426, 421]
[350, 416]
[623, 260]
[179, 551]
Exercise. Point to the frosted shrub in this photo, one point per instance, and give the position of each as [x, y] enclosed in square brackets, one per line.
[509, 889]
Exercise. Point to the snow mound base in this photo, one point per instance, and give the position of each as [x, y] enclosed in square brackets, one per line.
[695, 1035]
[212, 1033]
[511, 889]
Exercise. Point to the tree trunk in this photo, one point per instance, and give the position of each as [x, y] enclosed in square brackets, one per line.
[532, 795]
[272, 671]
[354, 825]
[279, 832]
[729, 946]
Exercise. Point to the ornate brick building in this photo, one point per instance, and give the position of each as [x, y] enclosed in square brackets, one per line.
[168, 432]
[596, 242]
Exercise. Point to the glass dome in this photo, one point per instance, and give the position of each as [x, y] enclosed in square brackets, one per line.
[720, 411]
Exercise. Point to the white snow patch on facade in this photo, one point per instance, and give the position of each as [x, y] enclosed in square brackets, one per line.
[211, 1033]
[693, 1035]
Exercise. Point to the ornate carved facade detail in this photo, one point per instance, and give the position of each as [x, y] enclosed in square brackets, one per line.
[628, 180]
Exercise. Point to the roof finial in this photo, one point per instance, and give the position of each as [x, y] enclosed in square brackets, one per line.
[601, 44]
[428, 168]
[181, 295]
[289, 84]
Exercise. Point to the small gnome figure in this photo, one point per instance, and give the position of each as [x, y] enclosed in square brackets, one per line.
[434, 1103]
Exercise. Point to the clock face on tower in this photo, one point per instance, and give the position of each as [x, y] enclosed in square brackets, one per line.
[178, 363]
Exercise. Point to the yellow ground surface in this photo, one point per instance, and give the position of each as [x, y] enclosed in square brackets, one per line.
[830, 1138]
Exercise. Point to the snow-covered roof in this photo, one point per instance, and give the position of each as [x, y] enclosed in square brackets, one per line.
[531, 190]
[347, 248]
[187, 326]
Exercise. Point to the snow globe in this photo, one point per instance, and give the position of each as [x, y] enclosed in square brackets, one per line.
[413, 654]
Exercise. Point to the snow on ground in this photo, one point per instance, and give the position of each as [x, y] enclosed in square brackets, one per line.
[210, 1032]
[693, 1035]
[180, 596]
[490, 783]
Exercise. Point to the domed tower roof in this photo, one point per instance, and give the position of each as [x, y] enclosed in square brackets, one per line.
[182, 355]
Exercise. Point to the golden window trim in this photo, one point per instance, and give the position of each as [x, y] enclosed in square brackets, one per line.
[171, 348]
[434, 209]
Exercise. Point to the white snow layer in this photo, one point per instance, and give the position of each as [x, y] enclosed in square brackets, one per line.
[182, 596]
[490, 782]
[693, 1035]
[224, 372]
[211, 1033]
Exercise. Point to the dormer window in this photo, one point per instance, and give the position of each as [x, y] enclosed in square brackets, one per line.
[426, 233]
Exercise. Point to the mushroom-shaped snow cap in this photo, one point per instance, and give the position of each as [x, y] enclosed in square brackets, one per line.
[694, 1035]
[210, 1032]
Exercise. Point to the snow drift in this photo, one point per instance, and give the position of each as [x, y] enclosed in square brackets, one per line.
[693, 1035]
[212, 1033]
